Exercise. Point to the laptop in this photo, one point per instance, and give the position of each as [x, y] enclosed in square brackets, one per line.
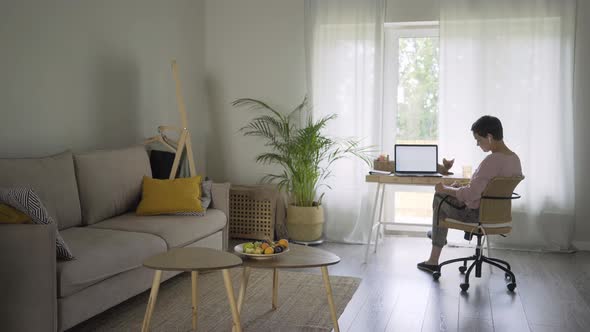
[416, 160]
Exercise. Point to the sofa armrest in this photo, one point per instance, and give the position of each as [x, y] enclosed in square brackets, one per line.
[220, 201]
[28, 278]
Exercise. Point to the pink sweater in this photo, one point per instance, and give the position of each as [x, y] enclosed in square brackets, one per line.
[495, 164]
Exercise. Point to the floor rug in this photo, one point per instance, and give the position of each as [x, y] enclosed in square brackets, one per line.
[302, 304]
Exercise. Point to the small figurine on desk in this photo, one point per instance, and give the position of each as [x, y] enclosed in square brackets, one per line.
[382, 163]
[445, 167]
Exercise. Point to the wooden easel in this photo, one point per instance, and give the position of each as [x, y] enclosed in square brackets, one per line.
[184, 140]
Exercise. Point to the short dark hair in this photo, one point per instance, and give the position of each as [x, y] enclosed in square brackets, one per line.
[488, 124]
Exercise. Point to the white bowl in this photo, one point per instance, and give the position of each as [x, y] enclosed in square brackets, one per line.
[240, 250]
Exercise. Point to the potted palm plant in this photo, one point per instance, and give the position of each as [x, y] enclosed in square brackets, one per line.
[306, 157]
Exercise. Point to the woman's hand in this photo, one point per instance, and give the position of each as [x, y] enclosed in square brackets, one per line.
[447, 190]
[439, 188]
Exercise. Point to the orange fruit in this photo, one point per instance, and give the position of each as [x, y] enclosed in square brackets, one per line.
[269, 250]
[264, 246]
[284, 243]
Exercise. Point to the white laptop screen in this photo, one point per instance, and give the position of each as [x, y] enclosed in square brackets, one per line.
[416, 158]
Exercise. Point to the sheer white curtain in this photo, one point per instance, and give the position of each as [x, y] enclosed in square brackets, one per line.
[514, 60]
[344, 64]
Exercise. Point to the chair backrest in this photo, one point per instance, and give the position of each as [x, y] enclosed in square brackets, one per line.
[496, 202]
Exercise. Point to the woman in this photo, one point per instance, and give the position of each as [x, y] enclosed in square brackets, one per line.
[462, 203]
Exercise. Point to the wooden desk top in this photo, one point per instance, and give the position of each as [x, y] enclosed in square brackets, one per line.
[192, 259]
[416, 180]
[298, 257]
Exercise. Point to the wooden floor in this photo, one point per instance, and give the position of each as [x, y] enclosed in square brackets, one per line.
[552, 294]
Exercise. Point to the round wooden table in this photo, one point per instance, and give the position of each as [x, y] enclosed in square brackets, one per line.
[194, 260]
[298, 256]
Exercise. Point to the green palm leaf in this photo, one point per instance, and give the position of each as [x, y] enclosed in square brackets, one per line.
[304, 153]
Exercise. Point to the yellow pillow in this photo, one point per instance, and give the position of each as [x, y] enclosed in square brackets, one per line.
[170, 196]
[10, 215]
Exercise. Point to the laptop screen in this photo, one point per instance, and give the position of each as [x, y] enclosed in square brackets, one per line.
[415, 158]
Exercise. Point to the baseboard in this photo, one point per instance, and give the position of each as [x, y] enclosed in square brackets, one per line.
[582, 245]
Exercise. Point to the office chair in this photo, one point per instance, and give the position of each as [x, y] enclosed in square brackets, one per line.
[495, 217]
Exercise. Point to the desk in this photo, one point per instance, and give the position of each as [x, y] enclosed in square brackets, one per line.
[383, 180]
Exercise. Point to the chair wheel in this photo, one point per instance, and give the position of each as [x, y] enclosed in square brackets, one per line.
[464, 287]
[507, 276]
[511, 286]
[435, 275]
[462, 269]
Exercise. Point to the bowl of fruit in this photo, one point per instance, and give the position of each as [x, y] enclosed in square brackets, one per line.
[263, 249]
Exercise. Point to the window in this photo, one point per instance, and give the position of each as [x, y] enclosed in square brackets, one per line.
[410, 107]
[417, 90]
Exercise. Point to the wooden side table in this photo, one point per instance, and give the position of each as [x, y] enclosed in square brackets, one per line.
[194, 260]
[298, 257]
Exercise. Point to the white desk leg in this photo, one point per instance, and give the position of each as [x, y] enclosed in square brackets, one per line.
[380, 216]
[372, 220]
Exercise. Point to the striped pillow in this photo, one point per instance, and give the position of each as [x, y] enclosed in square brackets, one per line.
[27, 201]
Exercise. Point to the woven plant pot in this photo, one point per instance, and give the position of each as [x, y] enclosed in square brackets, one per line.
[305, 223]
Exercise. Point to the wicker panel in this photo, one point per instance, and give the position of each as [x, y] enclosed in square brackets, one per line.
[251, 213]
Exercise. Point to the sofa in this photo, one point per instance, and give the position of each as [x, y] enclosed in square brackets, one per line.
[92, 198]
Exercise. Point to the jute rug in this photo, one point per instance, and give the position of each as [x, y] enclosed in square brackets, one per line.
[302, 304]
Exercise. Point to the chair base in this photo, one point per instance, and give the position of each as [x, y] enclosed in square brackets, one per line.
[478, 259]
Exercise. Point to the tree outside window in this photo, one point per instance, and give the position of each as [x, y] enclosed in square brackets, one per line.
[417, 112]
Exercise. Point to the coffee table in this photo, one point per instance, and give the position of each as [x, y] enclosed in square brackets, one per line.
[194, 260]
[298, 256]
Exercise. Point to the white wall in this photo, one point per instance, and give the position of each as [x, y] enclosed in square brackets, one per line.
[582, 124]
[254, 49]
[90, 74]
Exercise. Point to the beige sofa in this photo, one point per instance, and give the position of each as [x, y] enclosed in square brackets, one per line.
[92, 197]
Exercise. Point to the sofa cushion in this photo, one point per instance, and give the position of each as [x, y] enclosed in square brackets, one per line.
[110, 181]
[206, 193]
[28, 202]
[177, 231]
[170, 196]
[10, 215]
[52, 178]
[102, 253]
